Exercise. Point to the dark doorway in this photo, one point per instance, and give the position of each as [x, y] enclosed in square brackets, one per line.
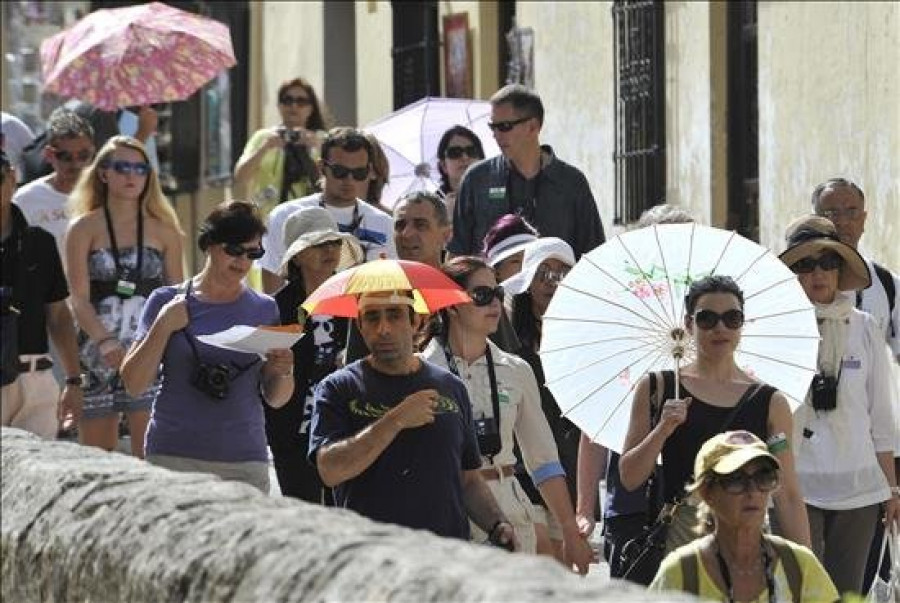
[640, 115]
[415, 51]
[743, 120]
[340, 61]
[506, 20]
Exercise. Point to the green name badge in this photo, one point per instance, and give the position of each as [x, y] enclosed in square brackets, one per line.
[125, 288]
[503, 397]
[497, 193]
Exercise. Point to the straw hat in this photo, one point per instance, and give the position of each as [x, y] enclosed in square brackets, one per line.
[536, 253]
[311, 226]
[807, 236]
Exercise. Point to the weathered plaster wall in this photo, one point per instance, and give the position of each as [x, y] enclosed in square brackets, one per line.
[689, 99]
[374, 65]
[573, 74]
[292, 46]
[79, 524]
[829, 105]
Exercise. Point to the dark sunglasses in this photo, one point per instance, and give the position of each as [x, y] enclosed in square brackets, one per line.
[765, 480]
[300, 101]
[340, 171]
[828, 261]
[69, 157]
[140, 168]
[707, 319]
[506, 126]
[236, 251]
[458, 152]
[484, 295]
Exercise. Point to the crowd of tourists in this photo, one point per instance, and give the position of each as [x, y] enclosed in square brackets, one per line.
[443, 421]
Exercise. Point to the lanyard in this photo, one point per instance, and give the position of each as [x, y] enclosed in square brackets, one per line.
[354, 222]
[492, 377]
[767, 568]
[114, 247]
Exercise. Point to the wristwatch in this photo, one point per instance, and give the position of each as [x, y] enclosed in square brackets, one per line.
[77, 381]
[895, 491]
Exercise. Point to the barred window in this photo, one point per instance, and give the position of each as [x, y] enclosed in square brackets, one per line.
[640, 126]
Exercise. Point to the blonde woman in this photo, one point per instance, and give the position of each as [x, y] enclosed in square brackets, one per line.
[123, 242]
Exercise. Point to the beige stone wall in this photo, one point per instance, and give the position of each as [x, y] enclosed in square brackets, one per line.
[374, 67]
[829, 84]
[292, 44]
[573, 74]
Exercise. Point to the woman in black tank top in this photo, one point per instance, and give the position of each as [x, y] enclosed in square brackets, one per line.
[715, 396]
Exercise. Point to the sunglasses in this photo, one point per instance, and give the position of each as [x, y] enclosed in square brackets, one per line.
[340, 171]
[484, 295]
[828, 261]
[69, 157]
[458, 152]
[765, 480]
[139, 168]
[506, 126]
[300, 101]
[707, 319]
[551, 277]
[236, 251]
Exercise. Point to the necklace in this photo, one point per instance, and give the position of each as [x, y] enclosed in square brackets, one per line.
[767, 562]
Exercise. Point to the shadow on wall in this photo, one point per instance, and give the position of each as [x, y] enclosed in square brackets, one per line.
[81, 524]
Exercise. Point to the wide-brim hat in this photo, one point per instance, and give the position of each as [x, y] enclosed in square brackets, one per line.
[311, 226]
[536, 252]
[808, 236]
[727, 452]
[508, 247]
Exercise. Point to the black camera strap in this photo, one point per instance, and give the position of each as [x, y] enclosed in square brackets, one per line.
[186, 288]
[121, 273]
[492, 377]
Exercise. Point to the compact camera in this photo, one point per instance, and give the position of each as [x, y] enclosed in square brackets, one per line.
[824, 392]
[212, 379]
[488, 437]
[291, 136]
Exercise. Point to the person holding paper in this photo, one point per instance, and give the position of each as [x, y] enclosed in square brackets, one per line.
[207, 414]
[316, 249]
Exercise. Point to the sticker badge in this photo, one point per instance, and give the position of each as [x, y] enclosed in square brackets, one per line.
[125, 288]
[852, 363]
[497, 193]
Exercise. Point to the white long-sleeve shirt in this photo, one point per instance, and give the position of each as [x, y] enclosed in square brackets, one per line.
[520, 408]
[835, 450]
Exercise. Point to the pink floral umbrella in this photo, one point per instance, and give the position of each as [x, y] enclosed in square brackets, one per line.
[137, 55]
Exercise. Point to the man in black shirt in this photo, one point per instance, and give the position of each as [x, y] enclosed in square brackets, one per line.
[31, 268]
[528, 179]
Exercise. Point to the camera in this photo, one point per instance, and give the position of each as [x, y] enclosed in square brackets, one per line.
[291, 136]
[488, 437]
[824, 392]
[212, 379]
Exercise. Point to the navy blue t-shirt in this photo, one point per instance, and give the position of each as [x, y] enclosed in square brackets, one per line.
[416, 482]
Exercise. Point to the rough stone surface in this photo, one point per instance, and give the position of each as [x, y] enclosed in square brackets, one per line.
[79, 524]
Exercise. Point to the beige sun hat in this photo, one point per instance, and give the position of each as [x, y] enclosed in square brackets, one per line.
[727, 452]
[536, 252]
[311, 226]
[809, 235]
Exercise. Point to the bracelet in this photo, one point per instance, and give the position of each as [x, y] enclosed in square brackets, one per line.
[895, 491]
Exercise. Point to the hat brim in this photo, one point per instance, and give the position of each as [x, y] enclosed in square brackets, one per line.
[854, 274]
[739, 457]
[521, 281]
[351, 251]
[506, 254]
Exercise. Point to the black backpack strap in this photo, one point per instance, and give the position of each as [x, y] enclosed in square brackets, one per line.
[790, 565]
[887, 281]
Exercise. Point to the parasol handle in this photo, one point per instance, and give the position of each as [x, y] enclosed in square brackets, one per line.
[678, 336]
[677, 377]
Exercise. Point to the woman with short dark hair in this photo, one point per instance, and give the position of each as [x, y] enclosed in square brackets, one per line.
[716, 396]
[207, 414]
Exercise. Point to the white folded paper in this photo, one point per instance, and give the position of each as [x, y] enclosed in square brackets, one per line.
[253, 340]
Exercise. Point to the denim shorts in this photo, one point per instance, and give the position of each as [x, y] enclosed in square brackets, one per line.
[115, 402]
